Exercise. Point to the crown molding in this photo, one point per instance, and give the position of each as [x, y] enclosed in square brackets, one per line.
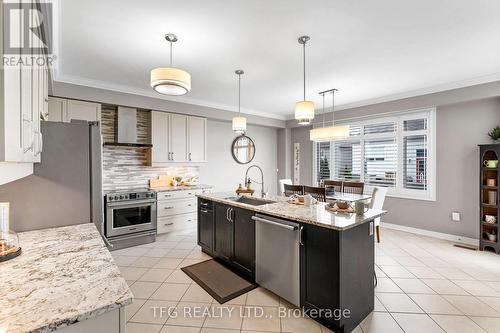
[149, 93]
[419, 92]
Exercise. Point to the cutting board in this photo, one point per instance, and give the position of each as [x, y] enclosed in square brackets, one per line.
[161, 181]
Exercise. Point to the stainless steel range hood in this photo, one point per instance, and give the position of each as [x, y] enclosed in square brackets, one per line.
[126, 129]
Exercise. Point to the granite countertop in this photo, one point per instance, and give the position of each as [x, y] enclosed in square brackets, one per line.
[315, 214]
[180, 188]
[63, 276]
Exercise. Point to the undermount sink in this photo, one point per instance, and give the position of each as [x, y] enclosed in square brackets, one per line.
[250, 201]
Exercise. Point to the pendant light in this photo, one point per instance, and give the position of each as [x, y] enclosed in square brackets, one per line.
[170, 80]
[333, 132]
[239, 122]
[304, 110]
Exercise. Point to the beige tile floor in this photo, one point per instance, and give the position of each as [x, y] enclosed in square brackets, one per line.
[425, 285]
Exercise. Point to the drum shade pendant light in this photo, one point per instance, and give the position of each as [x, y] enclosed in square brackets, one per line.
[333, 132]
[239, 122]
[170, 80]
[304, 110]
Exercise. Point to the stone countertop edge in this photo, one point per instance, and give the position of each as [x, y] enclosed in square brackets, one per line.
[180, 188]
[64, 275]
[315, 215]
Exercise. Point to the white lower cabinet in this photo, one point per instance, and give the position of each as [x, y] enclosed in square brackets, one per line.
[177, 222]
[176, 210]
[176, 207]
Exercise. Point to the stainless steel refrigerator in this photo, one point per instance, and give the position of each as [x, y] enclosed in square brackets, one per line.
[66, 187]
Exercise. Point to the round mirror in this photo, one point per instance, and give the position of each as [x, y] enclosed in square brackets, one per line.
[243, 149]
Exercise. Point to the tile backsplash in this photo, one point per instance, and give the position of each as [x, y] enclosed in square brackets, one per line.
[128, 167]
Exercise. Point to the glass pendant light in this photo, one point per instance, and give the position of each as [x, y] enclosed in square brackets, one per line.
[239, 122]
[333, 132]
[304, 110]
[170, 80]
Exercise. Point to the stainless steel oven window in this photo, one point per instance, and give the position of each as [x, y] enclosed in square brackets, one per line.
[132, 216]
[120, 219]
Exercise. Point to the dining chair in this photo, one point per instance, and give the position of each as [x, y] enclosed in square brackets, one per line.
[293, 189]
[378, 198]
[318, 193]
[282, 183]
[335, 184]
[353, 187]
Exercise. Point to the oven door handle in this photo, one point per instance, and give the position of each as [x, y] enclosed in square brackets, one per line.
[130, 204]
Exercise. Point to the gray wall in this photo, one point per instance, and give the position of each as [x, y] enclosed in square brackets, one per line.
[98, 95]
[460, 128]
[284, 153]
[301, 135]
[453, 96]
[223, 172]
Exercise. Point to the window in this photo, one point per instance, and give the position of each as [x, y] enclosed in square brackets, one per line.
[347, 160]
[395, 151]
[380, 163]
[323, 158]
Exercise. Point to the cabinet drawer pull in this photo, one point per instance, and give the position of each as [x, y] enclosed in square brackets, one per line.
[301, 236]
[168, 207]
[167, 224]
[189, 205]
[203, 210]
[204, 204]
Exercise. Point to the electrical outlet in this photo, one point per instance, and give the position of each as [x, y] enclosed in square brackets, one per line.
[455, 216]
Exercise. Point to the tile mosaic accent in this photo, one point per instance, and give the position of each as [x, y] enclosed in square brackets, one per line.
[128, 167]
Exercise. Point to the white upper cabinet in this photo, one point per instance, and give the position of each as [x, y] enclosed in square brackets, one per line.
[23, 93]
[197, 129]
[57, 109]
[159, 137]
[177, 139]
[83, 110]
[11, 130]
[65, 110]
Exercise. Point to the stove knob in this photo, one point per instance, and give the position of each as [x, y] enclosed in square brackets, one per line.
[121, 196]
[116, 197]
[126, 196]
[110, 198]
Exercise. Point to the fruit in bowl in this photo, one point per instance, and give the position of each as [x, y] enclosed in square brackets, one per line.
[342, 204]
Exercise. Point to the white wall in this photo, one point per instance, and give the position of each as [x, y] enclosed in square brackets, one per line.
[224, 173]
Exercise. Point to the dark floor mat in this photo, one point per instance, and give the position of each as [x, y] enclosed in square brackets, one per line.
[217, 280]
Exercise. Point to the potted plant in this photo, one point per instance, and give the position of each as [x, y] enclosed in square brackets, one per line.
[494, 134]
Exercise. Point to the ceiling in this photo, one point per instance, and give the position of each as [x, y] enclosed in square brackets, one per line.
[371, 51]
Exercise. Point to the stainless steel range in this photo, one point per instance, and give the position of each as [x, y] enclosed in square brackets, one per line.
[130, 217]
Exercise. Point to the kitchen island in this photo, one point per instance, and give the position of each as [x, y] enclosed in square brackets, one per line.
[65, 279]
[334, 252]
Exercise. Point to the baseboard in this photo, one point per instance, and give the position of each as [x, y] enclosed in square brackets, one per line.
[434, 234]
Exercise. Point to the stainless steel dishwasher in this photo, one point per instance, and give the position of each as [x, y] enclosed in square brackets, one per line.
[277, 256]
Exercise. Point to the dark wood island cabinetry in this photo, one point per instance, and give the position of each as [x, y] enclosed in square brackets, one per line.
[336, 258]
